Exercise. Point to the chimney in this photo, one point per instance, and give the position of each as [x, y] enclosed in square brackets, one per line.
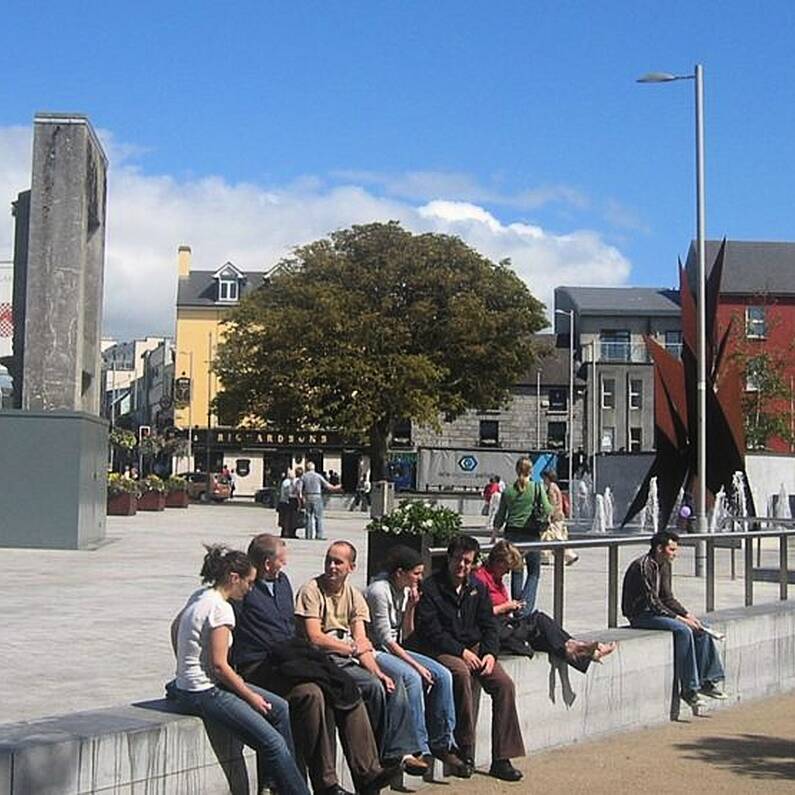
[183, 260]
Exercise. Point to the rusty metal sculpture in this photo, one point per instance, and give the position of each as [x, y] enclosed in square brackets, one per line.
[675, 465]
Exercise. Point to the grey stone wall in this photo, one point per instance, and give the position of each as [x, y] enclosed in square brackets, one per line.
[517, 424]
[65, 264]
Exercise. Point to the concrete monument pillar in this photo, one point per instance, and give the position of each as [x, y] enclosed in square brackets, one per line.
[65, 264]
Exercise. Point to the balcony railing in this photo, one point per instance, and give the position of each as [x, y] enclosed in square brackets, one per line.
[623, 352]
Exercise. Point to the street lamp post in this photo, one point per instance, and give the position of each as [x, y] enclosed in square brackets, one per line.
[701, 408]
[570, 433]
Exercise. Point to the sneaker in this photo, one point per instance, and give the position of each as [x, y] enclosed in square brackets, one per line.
[505, 771]
[713, 690]
[693, 699]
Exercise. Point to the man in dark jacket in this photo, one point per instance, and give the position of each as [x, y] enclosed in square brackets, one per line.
[266, 650]
[648, 602]
[455, 624]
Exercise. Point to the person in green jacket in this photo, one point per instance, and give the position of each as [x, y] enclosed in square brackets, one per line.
[521, 506]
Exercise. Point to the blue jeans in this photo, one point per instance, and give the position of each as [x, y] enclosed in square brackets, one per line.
[525, 588]
[313, 504]
[696, 658]
[433, 712]
[269, 735]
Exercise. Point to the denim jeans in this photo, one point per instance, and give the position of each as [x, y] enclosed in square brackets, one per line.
[696, 657]
[313, 504]
[269, 734]
[433, 712]
[524, 587]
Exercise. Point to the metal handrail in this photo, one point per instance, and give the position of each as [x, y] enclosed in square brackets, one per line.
[613, 543]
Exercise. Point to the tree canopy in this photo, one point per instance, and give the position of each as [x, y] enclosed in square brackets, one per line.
[375, 324]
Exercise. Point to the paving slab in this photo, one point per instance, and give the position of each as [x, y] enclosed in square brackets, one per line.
[90, 629]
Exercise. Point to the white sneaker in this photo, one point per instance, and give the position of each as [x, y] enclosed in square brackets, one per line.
[713, 690]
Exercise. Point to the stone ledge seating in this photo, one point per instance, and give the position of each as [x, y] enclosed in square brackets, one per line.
[147, 747]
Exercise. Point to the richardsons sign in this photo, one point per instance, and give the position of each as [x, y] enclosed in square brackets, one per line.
[250, 438]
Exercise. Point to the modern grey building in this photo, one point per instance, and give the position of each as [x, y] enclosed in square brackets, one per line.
[610, 325]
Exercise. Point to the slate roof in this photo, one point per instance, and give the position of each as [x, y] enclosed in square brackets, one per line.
[613, 301]
[554, 367]
[750, 267]
[199, 288]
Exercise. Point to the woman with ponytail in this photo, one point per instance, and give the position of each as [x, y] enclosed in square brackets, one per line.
[207, 686]
[524, 508]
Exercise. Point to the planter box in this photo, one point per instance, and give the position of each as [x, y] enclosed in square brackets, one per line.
[152, 501]
[122, 505]
[379, 545]
[177, 499]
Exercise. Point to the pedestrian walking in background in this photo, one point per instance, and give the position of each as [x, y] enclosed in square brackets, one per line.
[312, 488]
[524, 511]
[556, 530]
[283, 510]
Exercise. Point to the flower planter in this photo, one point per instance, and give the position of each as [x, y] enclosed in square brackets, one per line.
[177, 499]
[152, 501]
[122, 505]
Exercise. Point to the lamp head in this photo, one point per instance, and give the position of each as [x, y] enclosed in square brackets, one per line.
[657, 77]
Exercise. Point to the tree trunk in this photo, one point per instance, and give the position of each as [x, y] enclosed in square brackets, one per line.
[379, 437]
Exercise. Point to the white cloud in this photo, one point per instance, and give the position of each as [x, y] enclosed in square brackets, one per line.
[254, 225]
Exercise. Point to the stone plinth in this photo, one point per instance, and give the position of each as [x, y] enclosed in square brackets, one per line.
[64, 267]
[53, 493]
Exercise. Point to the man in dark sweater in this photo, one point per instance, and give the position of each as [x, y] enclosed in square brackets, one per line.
[264, 640]
[648, 602]
[455, 623]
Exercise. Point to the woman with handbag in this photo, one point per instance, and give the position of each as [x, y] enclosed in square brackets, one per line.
[556, 529]
[523, 512]
[538, 630]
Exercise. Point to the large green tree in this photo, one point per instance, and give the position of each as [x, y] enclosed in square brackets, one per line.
[374, 324]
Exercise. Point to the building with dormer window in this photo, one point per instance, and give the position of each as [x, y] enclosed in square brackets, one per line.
[204, 298]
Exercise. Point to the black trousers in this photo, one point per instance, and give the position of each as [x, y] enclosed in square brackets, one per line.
[549, 636]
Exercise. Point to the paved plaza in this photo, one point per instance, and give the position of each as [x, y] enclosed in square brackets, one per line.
[747, 749]
[90, 629]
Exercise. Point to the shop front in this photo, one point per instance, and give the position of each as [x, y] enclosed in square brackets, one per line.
[260, 458]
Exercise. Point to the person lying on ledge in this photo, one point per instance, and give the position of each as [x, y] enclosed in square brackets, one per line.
[648, 602]
[538, 629]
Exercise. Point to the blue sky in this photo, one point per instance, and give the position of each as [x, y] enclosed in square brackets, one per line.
[459, 116]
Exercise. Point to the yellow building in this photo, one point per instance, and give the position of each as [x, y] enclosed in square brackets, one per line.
[259, 458]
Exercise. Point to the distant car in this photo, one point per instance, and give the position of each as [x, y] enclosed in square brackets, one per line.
[220, 489]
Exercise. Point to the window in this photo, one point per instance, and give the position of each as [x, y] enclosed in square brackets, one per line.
[608, 393]
[755, 322]
[227, 289]
[401, 435]
[615, 345]
[754, 369]
[558, 399]
[608, 439]
[635, 440]
[635, 393]
[673, 343]
[489, 433]
[556, 435]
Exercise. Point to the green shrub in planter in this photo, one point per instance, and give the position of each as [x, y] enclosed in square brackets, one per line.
[153, 483]
[420, 518]
[175, 484]
[121, 485]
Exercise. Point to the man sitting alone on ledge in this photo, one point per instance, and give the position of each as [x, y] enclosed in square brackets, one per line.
[648, 602]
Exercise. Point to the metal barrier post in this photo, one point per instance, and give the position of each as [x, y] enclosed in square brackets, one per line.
[612, 586]
[558, 585]
[710, 595]
[783, 570]
[748, 546]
